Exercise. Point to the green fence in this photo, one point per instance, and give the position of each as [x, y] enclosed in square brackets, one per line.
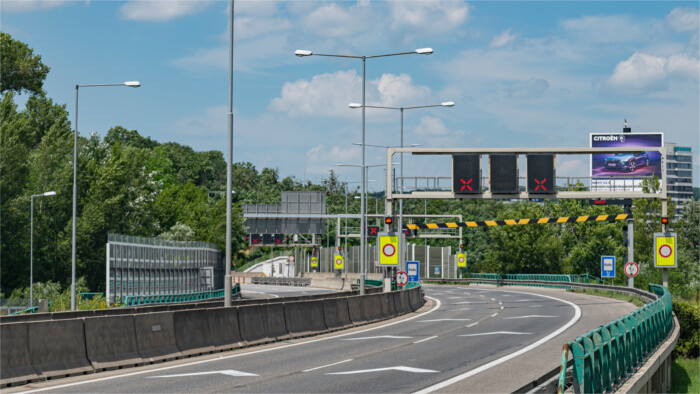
[605, 357]
[184, 297]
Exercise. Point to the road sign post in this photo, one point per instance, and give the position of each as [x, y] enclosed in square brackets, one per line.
[607, 267]
[631, 269]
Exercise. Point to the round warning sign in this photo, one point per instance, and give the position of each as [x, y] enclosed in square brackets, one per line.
[665, 251]
[388, 250]
[631, 269]
[401, 278]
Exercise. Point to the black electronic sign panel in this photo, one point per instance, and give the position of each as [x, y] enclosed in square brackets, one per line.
[278, 238]
[372, 231]
[541, 174]
[504, 173]
[466, 174]
[268, 239]
[256, 239]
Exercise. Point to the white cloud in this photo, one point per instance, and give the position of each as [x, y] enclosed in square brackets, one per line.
[330, 94]
[320, 159]
[643, 73]
[683, 19]
[257, 55]
[531, 88]
[503, 39]
[32, 5]
[416, 18]
[332, 20]
[160, 11]
[607, 29]
[431, 126]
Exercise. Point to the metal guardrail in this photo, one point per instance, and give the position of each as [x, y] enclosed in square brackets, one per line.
[264, 280]
[606, 356]
[182, 297]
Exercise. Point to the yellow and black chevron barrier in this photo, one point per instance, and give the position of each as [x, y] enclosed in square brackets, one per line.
[515, 222]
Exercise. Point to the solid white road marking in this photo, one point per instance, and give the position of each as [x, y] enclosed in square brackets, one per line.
[494, 315]
[529, 316]
[493, 299]
[523, 300]
[454, 298]
[433, 320]
[229, 372]
[448, 382]
[456, 310]
[400, 368]
[378, 337]
[437, 306]
[426, 339]
[501, 307]
[472, 325]
[327, 365]
[468, 302]
[496, 333]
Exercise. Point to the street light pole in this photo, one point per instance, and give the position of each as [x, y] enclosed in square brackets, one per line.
[401, 109]
[363, 207]
[31, 245]
[229, 167]
[131, 84]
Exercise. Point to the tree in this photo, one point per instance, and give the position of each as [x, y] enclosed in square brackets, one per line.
[21, 69]
[179, 232]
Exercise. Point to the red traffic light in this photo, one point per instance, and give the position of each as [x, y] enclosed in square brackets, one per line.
[600, 202]
[339, 248]
[664, 220]
[461, 246]
[388, 220]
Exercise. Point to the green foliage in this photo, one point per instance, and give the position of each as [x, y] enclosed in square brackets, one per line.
[21, 70]
[688, 315]
[179, 232]
[685, 376]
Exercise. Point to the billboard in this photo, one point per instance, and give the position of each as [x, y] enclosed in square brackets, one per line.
[624, 171]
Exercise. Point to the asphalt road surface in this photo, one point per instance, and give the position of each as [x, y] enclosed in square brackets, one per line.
[465, 339]
[271, 291]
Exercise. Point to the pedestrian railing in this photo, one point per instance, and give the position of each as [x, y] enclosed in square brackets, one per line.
[182, 297]
[265, 280]
[604, 357]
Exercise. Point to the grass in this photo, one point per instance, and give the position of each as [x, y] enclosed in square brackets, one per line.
[612, 294]
[685, 375]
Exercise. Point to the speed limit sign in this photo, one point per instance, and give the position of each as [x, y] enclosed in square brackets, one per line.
[631, 269]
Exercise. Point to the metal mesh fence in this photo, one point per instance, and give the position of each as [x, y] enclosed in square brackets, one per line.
[155, 266]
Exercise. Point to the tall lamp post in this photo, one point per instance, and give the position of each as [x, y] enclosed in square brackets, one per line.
[31, 245]
[131, 84]
[229, 165]
[363, 219]
[401, 110]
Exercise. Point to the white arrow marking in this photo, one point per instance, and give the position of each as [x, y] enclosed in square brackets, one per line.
[378, 337]
[529, 316]
[496, 333]
[401, 368]
[229, 372]
[432, 320]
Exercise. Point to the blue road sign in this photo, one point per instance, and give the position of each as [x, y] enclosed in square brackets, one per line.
[607, 266]
[413, 269]
[436, 270]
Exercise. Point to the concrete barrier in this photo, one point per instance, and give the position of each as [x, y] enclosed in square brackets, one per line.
[336, 314]
[415, 298]
[155, 336]
[224, 328]
[192, 332]
[328, 283]
[384, 304]
[14, 357]
[57, 348]
[72, 315]
[304, 318]
[401, 308]
[262, 323]
[110, 342]
[356, 309]
[392, 304]
[406, 300]
[372, 307]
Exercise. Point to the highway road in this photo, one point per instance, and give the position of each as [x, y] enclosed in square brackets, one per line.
[271, 291]
[465, 339]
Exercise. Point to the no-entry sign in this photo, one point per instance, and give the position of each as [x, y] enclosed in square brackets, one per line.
[665, 250]
[388, 249]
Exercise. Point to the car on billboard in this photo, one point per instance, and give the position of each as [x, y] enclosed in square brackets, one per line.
[627, 161]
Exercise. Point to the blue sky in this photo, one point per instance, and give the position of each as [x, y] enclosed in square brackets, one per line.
[522, 74]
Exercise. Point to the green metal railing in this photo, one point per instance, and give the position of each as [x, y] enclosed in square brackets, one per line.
[585, 278]
[606, 356]
[28, 310]
[489, 278]
[182, 297]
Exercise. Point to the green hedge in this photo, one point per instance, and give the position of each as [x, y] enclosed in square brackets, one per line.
[688, 316]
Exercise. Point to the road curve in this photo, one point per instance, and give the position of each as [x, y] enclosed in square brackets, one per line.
[466, 339]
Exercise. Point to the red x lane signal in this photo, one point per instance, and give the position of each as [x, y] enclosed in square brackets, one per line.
[540, 184]
[465, 184]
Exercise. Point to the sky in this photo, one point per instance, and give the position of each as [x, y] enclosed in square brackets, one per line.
[521, 74]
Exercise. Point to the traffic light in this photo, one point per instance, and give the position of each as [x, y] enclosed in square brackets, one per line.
[372, 230]
[625, 236]
[466, 174]
[340, 248]
[504, 173]
[461, 247]
[278, 239]
[541, 174]
[314, 252]
[256, 239]
[388, 220]
[664, 220]
[287, 239]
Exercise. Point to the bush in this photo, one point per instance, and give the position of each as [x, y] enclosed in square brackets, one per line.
[688, 316]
